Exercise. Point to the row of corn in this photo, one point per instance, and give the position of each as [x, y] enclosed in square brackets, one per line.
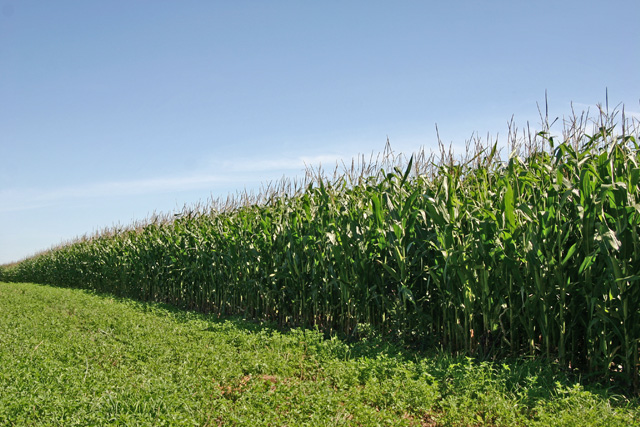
[535, 255]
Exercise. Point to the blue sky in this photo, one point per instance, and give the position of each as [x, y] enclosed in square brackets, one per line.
[111, 110]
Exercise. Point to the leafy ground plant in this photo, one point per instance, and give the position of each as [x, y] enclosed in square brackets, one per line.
[72, 357]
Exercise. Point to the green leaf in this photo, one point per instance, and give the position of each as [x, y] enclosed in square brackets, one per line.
[572, 250]
[635, 176]
[390, 270]
[628, 279]
[586, 263]
[508, 207]
[611, 240]
[407, 172]
[377, 208]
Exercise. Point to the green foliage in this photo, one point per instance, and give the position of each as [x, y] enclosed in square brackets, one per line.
[538, 255]
[73, 358]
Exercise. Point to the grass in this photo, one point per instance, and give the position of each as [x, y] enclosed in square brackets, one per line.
[72, 357]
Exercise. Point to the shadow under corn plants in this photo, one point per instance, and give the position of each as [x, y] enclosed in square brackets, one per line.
[533, 255]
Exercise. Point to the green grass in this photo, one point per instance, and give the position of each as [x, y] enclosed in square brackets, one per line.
[72, 357]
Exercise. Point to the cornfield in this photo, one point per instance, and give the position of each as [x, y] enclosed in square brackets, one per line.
[535, 255]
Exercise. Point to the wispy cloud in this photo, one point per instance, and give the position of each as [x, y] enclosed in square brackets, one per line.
[235, 174]
[288, 164]
[30, 198]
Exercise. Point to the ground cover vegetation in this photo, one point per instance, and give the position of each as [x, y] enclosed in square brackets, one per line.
[534, 253]
[73, 357]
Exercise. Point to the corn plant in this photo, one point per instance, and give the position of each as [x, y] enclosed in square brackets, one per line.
[537, 254]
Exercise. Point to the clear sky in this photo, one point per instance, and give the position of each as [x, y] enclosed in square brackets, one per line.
[113, 109]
